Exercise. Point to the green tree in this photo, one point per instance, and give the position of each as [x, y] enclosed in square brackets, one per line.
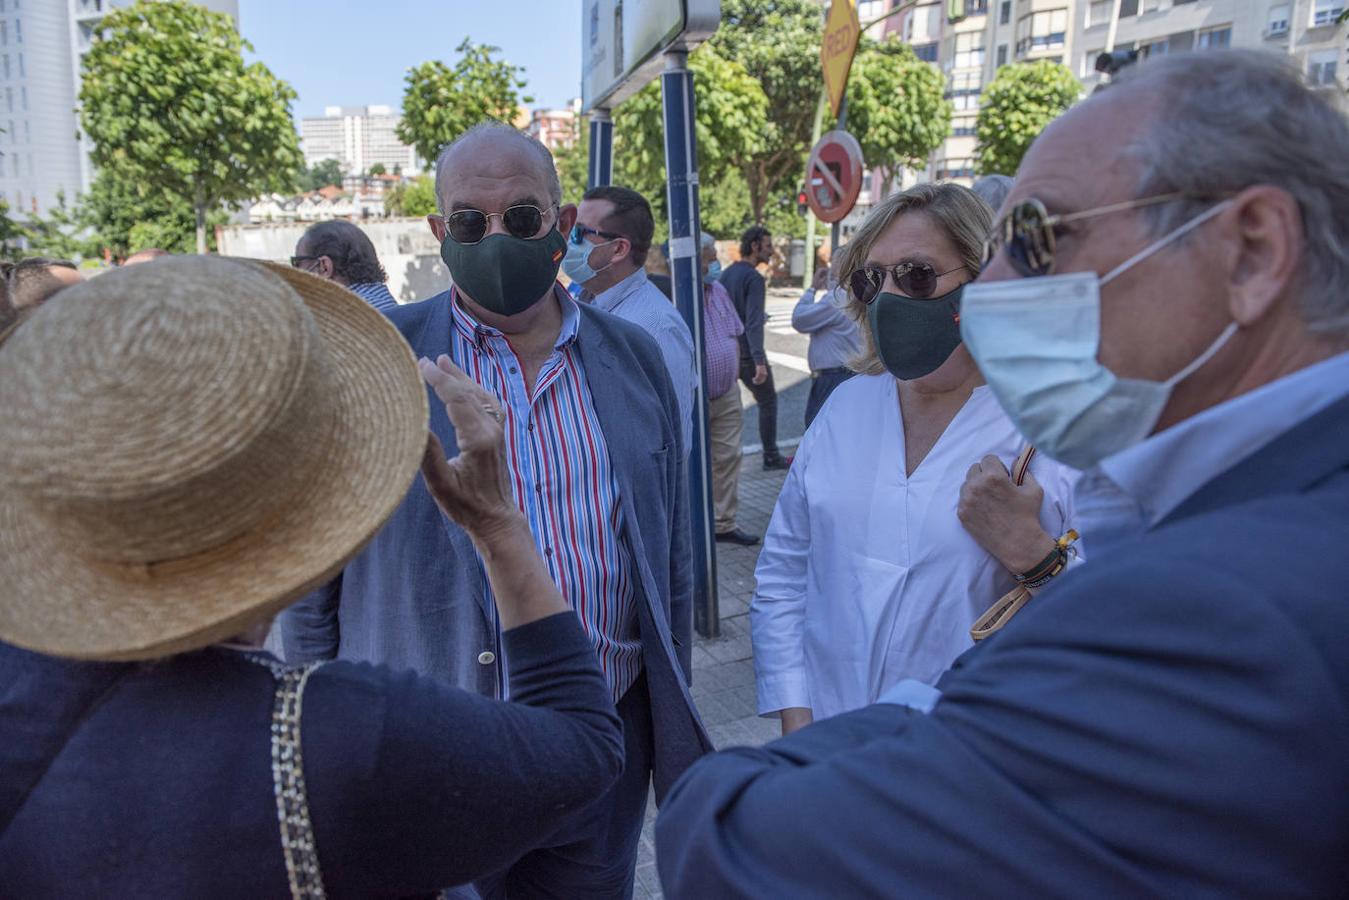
[731, 115]
[416, 197]
[321, 174]
[896, 107]
[1016, 106]
[573, 164]
[125, 217]
[59, 234]
[377, 169]
[167, 99]
[440, 103]
[777, 43]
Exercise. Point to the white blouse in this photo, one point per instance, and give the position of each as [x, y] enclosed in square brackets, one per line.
[867, 576]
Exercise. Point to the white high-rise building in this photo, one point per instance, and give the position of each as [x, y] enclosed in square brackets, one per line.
[357, 137]
[41, 45]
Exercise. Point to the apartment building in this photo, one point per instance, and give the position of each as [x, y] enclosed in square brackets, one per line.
[357, 137]
[556, 128]
[42, 43]
[969, 40]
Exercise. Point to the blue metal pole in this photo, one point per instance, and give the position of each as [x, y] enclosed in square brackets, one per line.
[601, 148]
[681, 166]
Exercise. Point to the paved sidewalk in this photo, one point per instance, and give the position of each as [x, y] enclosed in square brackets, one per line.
[723, 669]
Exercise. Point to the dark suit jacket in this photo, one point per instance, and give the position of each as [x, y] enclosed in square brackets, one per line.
[1171, 720]
[155, 779]
[416, 596]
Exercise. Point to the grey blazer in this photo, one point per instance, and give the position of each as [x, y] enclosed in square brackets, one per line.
[416, 596]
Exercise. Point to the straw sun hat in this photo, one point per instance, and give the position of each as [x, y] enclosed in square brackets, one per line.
[187, 447]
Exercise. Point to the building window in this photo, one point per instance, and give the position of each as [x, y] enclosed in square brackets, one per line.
[976, 7]
[964, 93]
[22, 72]
[1215, 38]
[1154, 48]
[1278, 20]
[6, 65]
[962, 127]
[923, 25]
[1089, 63]
[18, 31]
[926, 52]
[1002, 55]
[1321, 66]
[1128, 8]
[1181, 42]
[956, 168]
[1005, 12]
[23, 92]
[1099, 12]
[9, 98]
[1041, 31]
[969, 50]
[4, 32]
[1325, 12]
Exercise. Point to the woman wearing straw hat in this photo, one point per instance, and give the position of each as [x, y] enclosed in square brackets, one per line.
[186, 448]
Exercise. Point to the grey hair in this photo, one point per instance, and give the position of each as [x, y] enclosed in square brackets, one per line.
[993, 190]
[503, 131]
[1238, 118]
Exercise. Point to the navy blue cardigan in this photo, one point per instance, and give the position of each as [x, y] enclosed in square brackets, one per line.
[154, 779]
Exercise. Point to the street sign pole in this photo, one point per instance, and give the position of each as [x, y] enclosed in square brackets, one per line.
[681, 166]
[836, 230]
[601, 148]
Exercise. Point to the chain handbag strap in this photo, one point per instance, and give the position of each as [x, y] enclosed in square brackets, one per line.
[292, 800]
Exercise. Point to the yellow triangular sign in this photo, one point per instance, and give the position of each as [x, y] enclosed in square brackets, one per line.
[841, 31]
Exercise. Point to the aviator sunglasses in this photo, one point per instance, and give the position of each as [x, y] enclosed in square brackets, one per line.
[469, 226]
[1030, 232]
[917, 281]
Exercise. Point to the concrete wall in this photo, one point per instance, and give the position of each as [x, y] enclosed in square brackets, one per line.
[406, 248]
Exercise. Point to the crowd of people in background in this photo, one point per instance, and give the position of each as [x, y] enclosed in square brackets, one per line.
[1048, 604]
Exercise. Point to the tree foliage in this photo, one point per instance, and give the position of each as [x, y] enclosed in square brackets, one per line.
[896, 107]
[730, 117]
[777, 43]
[59, 234]
[440, 103]
[321, 174]
[1016, 106]
[167, 99]
[125, 217]
[378, 169]
[414, 197]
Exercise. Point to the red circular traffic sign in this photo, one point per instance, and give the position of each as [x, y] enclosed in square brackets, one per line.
[834, 176]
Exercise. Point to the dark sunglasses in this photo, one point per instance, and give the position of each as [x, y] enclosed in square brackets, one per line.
[915, 280]
[1030, 232]
[469, 226]
[579, 232]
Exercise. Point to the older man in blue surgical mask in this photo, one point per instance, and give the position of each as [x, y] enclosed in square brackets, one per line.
[1167, 309]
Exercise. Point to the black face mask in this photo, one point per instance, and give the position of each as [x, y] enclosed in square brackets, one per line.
[914, 337]
[503, 273]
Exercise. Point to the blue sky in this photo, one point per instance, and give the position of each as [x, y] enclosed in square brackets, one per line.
[349, 53]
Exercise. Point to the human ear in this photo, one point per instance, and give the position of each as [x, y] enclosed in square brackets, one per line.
[1264, 230]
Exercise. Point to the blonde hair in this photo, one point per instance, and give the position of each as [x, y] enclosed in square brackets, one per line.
[966, 219]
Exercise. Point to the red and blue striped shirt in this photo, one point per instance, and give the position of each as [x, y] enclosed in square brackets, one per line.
[563, 481]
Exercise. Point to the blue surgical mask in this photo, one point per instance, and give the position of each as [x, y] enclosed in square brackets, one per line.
[1035, 341]
[713, 272]
[577, 261]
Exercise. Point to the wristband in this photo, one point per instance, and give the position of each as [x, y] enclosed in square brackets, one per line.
[1053, 564]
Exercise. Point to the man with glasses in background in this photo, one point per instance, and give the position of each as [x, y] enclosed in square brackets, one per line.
[1167, 308]
[341, 252]
[606, 251]
[596, 460]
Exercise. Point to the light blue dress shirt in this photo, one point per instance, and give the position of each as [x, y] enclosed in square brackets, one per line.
[1135, 489]
[640, 302]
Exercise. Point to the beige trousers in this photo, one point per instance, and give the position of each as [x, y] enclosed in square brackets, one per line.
[725, 423]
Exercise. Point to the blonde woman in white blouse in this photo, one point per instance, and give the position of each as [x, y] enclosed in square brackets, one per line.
[899, 524]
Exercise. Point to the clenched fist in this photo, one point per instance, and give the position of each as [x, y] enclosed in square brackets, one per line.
[1004, 517]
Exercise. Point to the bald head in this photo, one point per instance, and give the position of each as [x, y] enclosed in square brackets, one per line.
[491, 151]
[145, 256]
[33, 281]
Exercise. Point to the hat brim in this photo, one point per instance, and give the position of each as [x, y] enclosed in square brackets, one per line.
[64, 604]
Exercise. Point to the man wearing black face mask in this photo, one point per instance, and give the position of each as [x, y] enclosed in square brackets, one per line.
[596, 460]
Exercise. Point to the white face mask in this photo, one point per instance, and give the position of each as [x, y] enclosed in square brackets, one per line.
[1035, 341]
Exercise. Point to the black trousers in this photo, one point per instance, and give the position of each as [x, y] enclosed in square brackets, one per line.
[822, 384]
[766, 396]
[593, 855]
